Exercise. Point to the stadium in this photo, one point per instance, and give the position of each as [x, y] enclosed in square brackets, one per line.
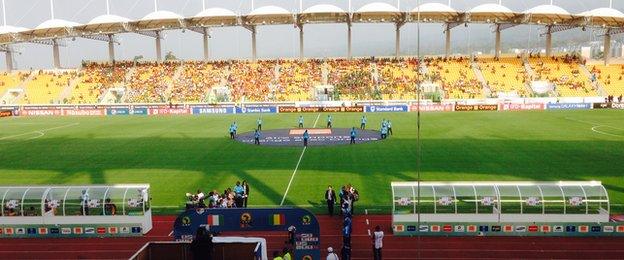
[261, 129]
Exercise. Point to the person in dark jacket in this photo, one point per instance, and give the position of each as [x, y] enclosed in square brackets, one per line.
[201, 247]
[330, 197]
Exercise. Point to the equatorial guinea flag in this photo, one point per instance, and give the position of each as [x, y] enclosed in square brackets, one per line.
[277, 219]
[215, 220]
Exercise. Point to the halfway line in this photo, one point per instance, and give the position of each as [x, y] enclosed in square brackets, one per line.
[297, 166]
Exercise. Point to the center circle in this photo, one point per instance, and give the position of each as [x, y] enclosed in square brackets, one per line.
[318, 136]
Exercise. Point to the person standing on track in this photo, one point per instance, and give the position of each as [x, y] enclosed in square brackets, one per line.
[257, 137]
[259, 122]
[331, 255]
[306, 136]
[232, 131]
[235, 128]
[246, 194]
[330, 197]
[329, 121]
[389, 126]
[353, 134]
[363, 122]
[378, 236]
[300, 122]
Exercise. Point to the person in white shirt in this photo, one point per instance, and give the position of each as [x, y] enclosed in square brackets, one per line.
[377, 242]
[331, 255]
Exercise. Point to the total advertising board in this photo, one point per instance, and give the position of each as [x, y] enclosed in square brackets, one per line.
[517, 107]
[432, 108]
[568, 106]
[617, 105]
[389, 108]
[6, 113]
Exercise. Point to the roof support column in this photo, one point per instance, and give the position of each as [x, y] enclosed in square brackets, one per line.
[397, 41]
[253, 43]
[498, 41]
[301, 54]
[56, 54]
[549, 41]
[158, 47]
[111, 49]
[9, 59]
[607, 47]
[349, 41]
[447, 46]
[206, 49]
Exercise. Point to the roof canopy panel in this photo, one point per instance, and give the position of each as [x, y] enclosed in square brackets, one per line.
[107, 19]
[269, 15]
[490, 13]
[5, 29]
[434, 12]
[56, 23]
[214, 17]
[161, 15]
[605, 17]
[159, 20]
[547, 14]
[215, 12]
[323, 13]
[377, 12]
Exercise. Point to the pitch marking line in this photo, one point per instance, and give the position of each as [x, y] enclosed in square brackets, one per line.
[41, 132]
[595, 126]
[297, 166]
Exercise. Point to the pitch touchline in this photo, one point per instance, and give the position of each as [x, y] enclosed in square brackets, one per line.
[39, 131]
[297, 166]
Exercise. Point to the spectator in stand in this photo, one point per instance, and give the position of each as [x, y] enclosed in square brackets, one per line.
[84, 203]
[110, 209]
[331, 255]
[201, 246]
[330, 198]
[378, 236]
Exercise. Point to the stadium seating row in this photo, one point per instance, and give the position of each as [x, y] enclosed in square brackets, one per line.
[294, 80]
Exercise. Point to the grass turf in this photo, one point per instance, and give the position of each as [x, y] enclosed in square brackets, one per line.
[178, 154]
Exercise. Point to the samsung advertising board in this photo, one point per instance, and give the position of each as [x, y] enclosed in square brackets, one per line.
[212, 110]
[255, 110]
[568, 106]
[393, 108]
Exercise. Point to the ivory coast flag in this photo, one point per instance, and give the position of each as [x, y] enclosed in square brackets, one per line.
[277, 219]
[215, 220]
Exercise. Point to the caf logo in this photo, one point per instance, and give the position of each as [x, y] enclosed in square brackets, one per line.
[306, 220]
[245, 219]
[307, 257]
[186, 221]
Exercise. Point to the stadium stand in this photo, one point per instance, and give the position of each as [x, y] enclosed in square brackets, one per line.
[398, 79]
[9, 80]
[456, 77]
[565, 73]
[196, 79]
[505, 75]
[611, 78]
[95, 79]
[151, 81]
[46, 87]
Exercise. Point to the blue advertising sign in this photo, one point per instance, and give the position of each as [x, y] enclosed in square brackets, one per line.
[393, 108]
[250, 110]
[306, 227]
[567, 106]
[212, 110]
[119, 111]
[138, 111]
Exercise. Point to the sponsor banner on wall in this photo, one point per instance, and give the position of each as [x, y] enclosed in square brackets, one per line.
[84, 112]
[601, 105]
[566, 106]
[515, 107]
[68, 231]
[251, 110]
[486, 107]
[617, 105]
[118, 111]
[168, 111]
[432, 108]
[212, 110]
[292, 109]
[138, 111]
[393, 108]
[6, 113]
[41, 112]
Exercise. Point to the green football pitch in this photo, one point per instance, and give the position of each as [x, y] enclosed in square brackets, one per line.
[179, 154]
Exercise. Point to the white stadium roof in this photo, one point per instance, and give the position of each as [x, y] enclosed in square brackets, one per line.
[269, 14]
[378, 7]
[11, 29]
[490, 13]
[431, 12]
[215, 16]
[56, 23]
[604, 16]
[161, 15]
[108, 19]
[323, 8]
[490, 8]
[323, 13]
[269, 10]
[550, 14]
[215, 12]
[377, 12]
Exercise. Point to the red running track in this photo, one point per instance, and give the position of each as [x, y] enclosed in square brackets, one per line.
[394, 247]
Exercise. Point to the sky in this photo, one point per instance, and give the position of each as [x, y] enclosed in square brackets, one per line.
[278, 41]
